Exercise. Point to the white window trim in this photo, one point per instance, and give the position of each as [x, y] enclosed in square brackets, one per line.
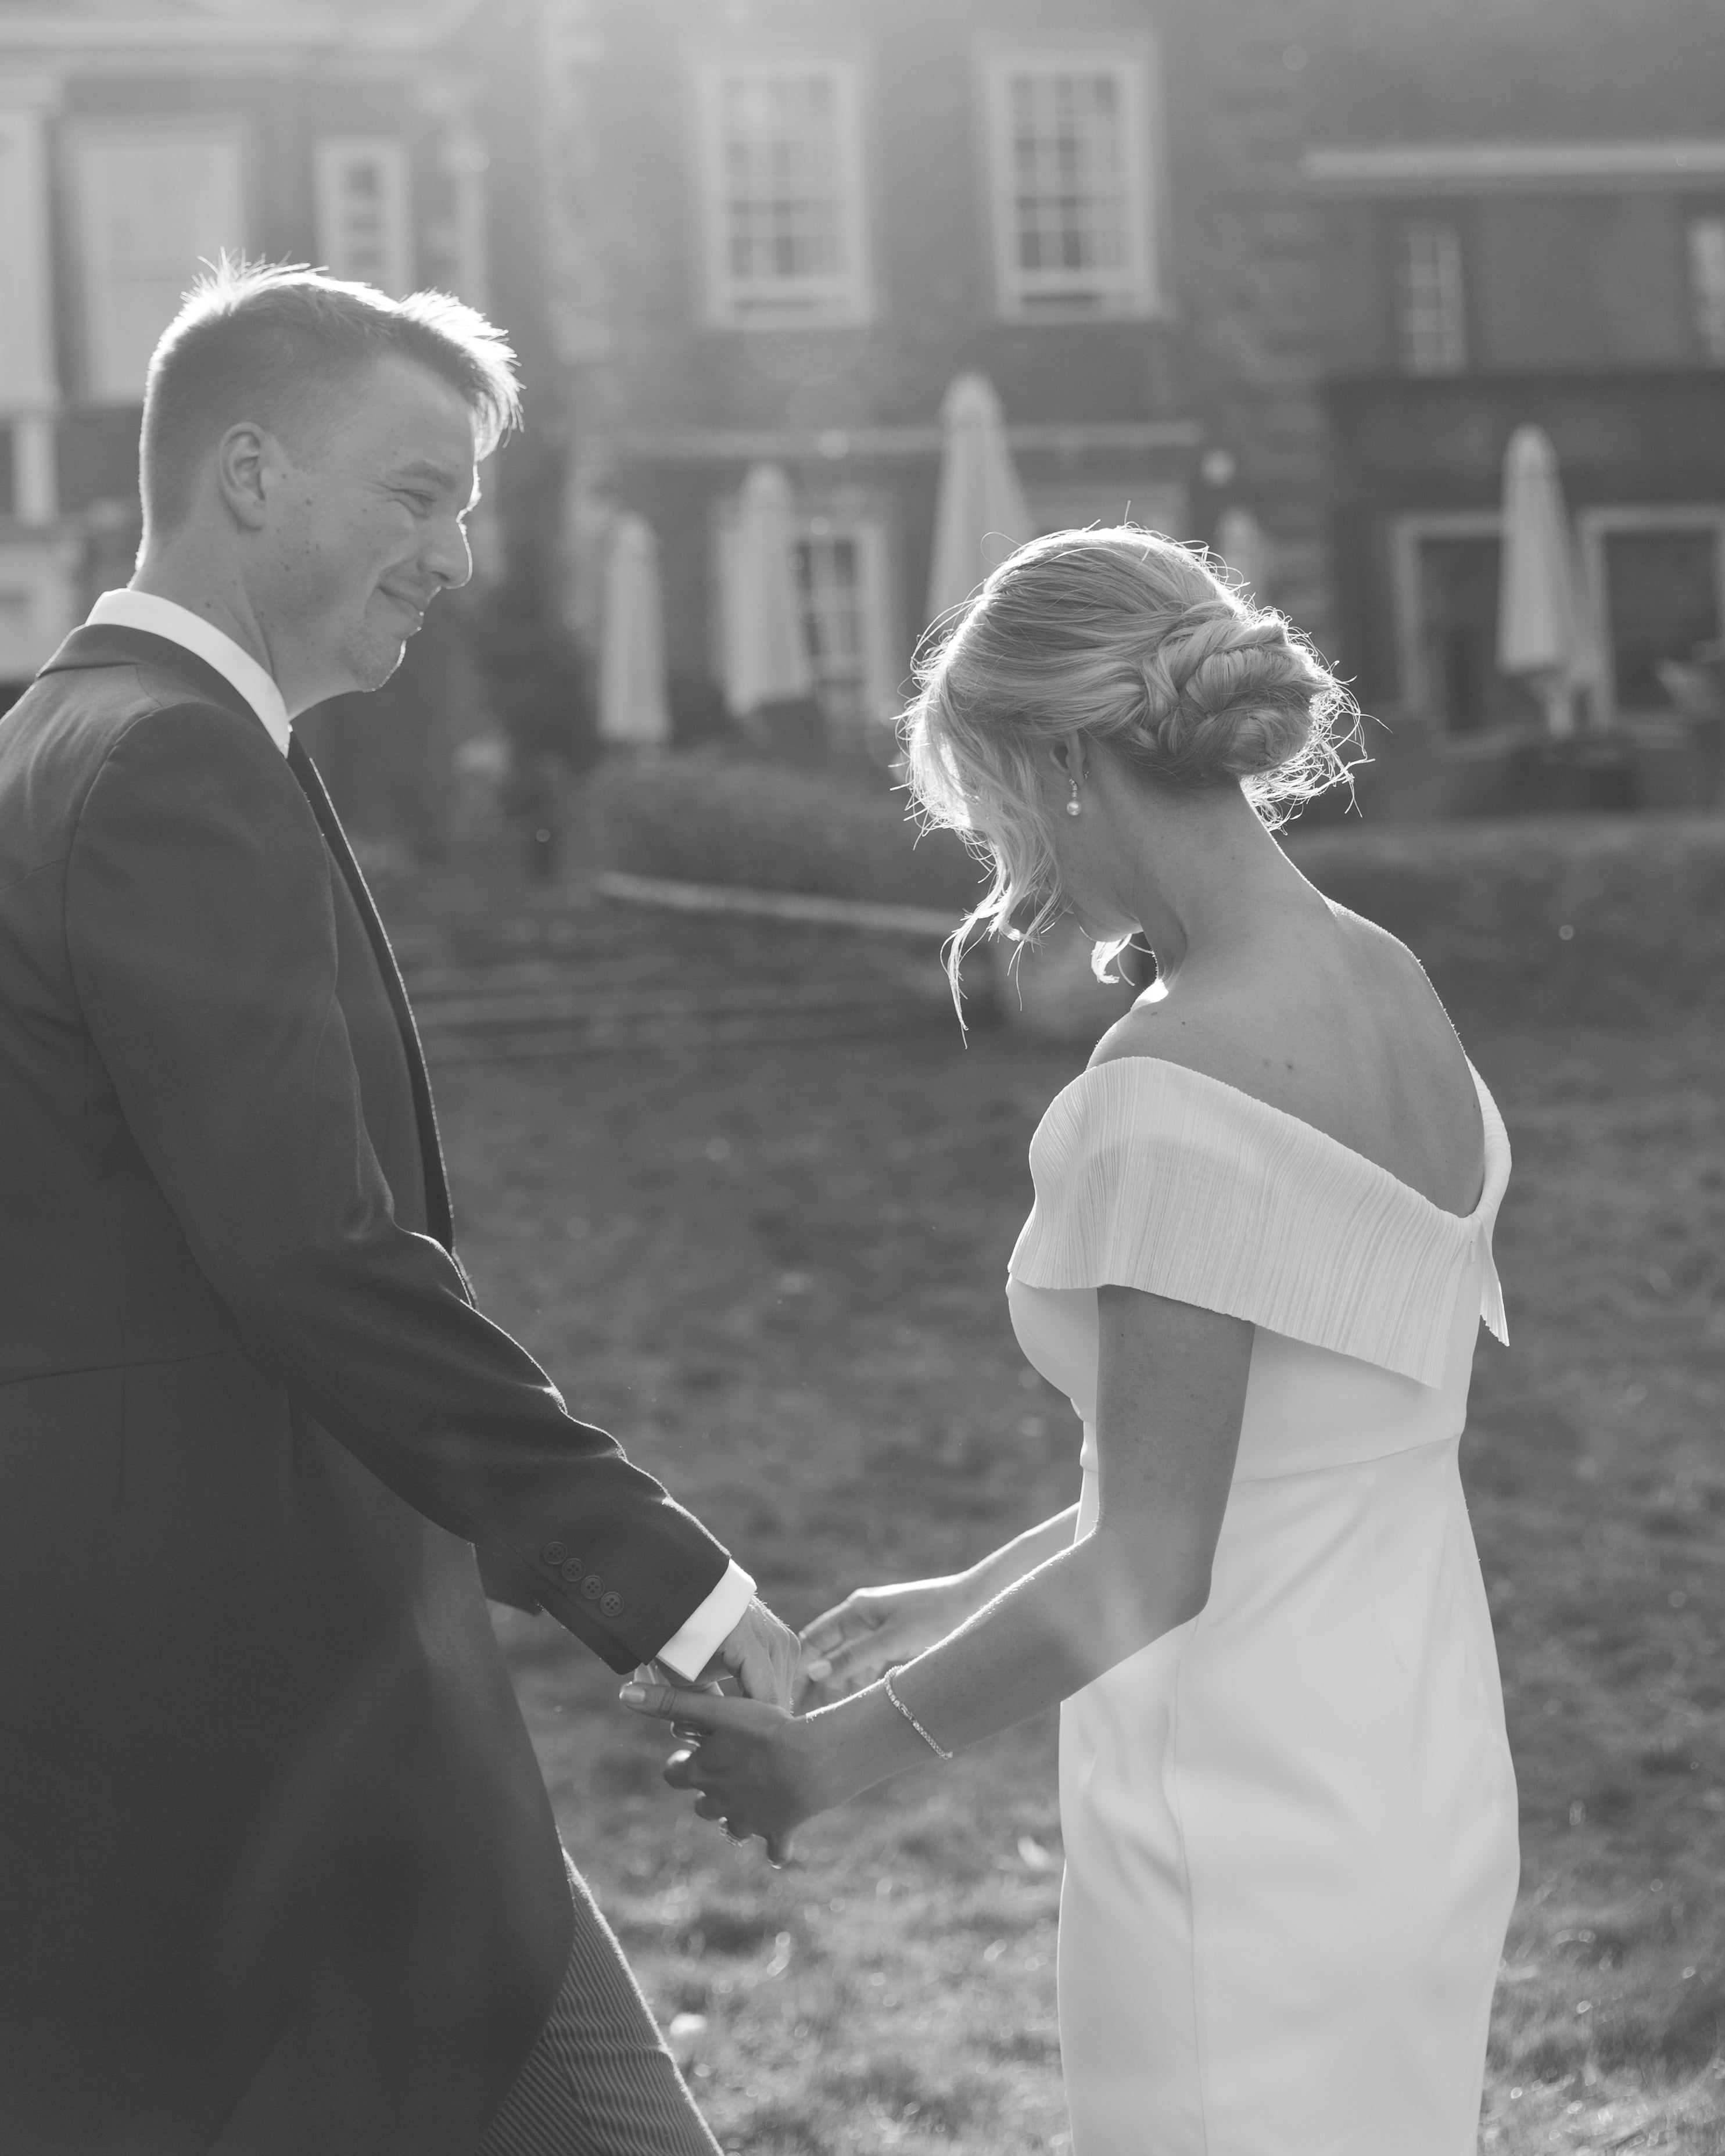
[1407, 534]
[882, 671]
[782, 303]
[1707, 333]
[331, 155]
[39, 604]
[29, 284]
[1594, 526]
[175, 128]
[1495, 167]
[1135, 291]
[1449, 291]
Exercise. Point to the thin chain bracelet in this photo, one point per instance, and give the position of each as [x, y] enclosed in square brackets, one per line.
[940, 1751]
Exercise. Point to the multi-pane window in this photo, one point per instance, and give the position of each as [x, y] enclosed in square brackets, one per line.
[27, 375]
[1447, 569]
[1073, 214]
[1459, 578]
[1707, 284]
[364, 211]
[153, 203]
[782, 193]
[839, 585]
[1664, 591]
[1431, 328]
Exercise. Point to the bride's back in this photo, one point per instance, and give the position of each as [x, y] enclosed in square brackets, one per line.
[1330, 1019]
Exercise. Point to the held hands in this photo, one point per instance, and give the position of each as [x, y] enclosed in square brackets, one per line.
[760, 1653]
[756, 1767]
[877, 1628]
[747, 1757]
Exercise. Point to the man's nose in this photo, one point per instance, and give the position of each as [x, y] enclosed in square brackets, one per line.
[448, 557]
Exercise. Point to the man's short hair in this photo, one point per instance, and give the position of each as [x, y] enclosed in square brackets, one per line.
[273, 342]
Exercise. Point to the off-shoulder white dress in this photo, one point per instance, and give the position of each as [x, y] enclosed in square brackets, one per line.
[1290, 1824]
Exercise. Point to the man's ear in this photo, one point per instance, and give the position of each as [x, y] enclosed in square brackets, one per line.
[247, 461]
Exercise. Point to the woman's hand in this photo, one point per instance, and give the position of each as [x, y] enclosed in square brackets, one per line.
[877, 1628]
[753, 1764]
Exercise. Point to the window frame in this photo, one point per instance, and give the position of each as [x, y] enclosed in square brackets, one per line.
[842, 513]
[98, 381]
[865, 527]
[330, 155]
[1455, 358]
[1408, 533]
[38, 609]
[26, 253]
[841, 301]
[1136, 291]
[1595, 526]
[1709, 334]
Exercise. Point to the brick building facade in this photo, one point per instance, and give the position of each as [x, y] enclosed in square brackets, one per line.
[1520, 216]
[790, 224]
[137, 137]
[1310, 259]
[136, 142]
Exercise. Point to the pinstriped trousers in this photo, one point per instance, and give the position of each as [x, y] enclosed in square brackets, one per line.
[598, 2081]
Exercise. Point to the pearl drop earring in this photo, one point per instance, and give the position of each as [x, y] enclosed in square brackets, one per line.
[1074, 807]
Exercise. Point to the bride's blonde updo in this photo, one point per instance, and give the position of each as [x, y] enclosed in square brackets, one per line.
[1130, 639]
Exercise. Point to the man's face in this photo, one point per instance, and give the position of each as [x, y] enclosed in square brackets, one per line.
[365, 532]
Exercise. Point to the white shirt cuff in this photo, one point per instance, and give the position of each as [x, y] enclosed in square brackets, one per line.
[691, 1650]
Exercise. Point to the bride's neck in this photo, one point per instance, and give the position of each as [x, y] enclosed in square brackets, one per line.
[1209, 877]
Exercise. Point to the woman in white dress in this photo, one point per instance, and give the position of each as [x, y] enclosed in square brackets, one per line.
[1258, 1260]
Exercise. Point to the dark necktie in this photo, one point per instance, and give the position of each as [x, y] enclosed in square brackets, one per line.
[437, 1189]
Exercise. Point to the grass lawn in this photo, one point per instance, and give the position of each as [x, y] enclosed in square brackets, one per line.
[777, 1276]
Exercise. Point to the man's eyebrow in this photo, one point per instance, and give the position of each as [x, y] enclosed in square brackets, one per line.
[426, 468]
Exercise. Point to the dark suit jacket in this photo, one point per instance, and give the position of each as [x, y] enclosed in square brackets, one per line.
[278, 1872]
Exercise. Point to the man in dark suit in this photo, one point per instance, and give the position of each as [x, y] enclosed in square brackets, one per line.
[279, 1875]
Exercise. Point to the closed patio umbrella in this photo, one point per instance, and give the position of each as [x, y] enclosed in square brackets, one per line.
[1544, 625]
[766, 652]
[1244, 548]
[633, 712]
[980, 514]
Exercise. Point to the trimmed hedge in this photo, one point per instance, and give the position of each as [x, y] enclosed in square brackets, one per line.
[1604, 918]
[707, 818]
[1484, 905]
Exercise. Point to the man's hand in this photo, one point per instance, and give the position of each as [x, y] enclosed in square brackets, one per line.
[745, 1758]
[760, 1653]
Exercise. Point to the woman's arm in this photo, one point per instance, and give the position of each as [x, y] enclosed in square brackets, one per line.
[1171, 1394]
[878, 1628]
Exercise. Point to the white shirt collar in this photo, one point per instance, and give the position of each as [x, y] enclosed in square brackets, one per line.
[160, 617]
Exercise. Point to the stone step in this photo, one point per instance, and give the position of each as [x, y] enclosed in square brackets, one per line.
[579, 1006]
[686, 1033]
[564, 977]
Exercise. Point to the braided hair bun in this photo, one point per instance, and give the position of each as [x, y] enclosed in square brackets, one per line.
[1229, 694]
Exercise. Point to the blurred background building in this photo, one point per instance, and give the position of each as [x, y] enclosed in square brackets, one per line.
[1520, 216]
[1280, 275]
[804, 219]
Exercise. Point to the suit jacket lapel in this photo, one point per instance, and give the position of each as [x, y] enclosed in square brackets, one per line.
[109, 644]
[437, 1188]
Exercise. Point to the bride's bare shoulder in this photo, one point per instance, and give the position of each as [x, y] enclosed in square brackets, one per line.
[1210, 1032]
